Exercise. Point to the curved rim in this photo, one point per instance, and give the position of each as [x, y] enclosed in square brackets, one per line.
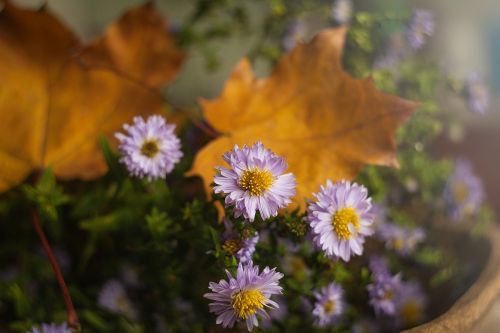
[474, 304]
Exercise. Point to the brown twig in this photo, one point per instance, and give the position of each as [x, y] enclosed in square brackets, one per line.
[72, 318]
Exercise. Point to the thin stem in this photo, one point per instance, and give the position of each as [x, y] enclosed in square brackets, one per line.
[72, 318]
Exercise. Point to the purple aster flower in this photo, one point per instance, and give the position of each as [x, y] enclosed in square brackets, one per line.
[464, 191]
[245, 296]
[149, 148]
[235, 245]
[421, 27]
[255, 181]
[384, 289]
[478, 96]
[410, 303]
[401, 239]
[341, 218]
[329, 305]
[51, 328]
[342, 11]
[113, 298]
[295, 33]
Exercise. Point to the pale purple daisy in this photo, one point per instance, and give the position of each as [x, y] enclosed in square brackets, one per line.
[329, 305]
[342, 11]
[411, 303]
[403, 240]
[113, 298]
[296, 33]
[420, 28]
[241, 248]
[464, 191]
[255, 182]
[341, 218]
[384, 289]
[149, 148]
[478, 96]
[51, 328]
[245, 296]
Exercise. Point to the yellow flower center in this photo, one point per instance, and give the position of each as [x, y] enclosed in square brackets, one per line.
[256, 181]
[460, 192]
[398, 243]
[150, 148]
[246, 302]
[232, 246]
[329, 307]
[388, 295]
[341, 221]
[411, 312]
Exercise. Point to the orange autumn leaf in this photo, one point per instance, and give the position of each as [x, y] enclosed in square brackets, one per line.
[58, 95]
[326, 124]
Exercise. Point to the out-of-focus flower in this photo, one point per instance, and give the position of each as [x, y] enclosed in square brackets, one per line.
[365, 325]
[129, 275]
[341, 218]
[477, 92]
[295, 266]
[113, 298]
[295, 33]
[420, 28]
[329, 305]
[149, 148]
[411, 302]
[255, 181]
[464, 191]
[342, 11]
[278, 314]
[379, 214]
[384, 289]
[233, 244]
[394, 51]
[245, 296]
[51, 328]
[401, 239]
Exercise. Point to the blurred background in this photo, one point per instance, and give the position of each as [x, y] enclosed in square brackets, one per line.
[467, 39]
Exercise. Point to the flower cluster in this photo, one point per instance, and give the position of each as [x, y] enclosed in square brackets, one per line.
[255, 182]
[392, 297]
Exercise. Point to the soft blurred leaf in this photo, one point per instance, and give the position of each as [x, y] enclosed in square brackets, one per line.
[326, 124]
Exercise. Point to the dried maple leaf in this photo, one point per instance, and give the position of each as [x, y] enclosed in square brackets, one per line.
[326, 123]
[58, 96]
